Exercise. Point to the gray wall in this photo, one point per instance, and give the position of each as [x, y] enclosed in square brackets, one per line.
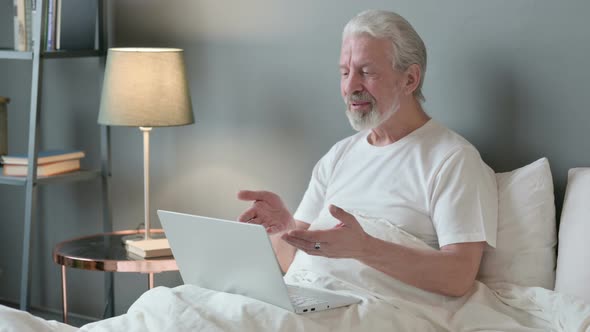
[511, 76]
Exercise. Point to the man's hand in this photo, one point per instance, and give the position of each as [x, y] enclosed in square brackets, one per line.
[267, 210]
[345, 240]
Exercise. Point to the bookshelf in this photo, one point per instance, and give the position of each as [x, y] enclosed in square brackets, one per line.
[31, 182]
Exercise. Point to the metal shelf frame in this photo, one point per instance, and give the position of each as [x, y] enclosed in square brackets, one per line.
[60, 54]
[31, 181]
[80, 175]
[15, 55]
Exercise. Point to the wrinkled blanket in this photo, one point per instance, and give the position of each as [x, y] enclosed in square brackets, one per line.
[13, 320]
[387, 304]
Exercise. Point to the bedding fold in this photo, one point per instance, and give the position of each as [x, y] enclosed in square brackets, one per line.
[387, 304]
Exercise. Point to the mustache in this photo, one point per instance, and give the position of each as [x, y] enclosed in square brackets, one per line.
[360, 96]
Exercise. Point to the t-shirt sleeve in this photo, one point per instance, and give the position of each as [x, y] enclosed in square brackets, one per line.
[315, 196]
[464, 204]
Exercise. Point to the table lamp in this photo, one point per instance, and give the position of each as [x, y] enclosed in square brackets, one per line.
[145, 88]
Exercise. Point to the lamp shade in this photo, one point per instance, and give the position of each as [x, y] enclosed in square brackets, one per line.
[145, 87]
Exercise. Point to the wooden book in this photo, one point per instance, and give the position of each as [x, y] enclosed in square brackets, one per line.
[149, 248]
[43, 170]
[44, 157]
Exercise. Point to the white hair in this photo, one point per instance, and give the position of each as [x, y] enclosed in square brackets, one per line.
[408, 47]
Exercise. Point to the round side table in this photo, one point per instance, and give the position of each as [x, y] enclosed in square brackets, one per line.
[106, 252]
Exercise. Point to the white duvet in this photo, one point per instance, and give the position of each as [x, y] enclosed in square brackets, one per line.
[386, 304]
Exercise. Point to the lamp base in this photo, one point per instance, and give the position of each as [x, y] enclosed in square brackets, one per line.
[139, 237]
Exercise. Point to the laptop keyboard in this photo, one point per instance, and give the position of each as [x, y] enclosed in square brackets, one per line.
[300, 300]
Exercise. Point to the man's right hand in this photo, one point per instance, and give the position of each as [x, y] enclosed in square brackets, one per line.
[267, 210]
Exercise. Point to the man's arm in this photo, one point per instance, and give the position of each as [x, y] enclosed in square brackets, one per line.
[448, 271]
[286, 253]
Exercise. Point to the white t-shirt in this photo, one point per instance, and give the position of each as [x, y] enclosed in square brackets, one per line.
[431, 183]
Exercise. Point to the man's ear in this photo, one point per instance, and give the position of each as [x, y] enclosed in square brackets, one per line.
[412, 79]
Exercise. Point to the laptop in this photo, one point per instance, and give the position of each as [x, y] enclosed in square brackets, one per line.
[234, 257]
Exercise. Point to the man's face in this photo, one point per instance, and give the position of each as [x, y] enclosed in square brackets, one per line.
[368, 82]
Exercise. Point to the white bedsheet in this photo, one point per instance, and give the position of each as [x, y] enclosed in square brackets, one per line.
[386, 304]
[12, 320]
[189, 308]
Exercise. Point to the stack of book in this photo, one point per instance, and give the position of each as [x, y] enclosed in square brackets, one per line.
[48, 163]
[149, 248]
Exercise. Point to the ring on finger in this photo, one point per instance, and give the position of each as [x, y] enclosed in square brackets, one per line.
[317, 246]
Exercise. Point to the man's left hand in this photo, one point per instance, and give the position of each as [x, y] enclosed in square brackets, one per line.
[345, 240]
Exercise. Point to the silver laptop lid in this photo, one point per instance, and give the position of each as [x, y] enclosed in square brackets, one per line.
[226, 256]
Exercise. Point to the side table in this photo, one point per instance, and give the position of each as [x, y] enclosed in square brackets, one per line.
[106, 252]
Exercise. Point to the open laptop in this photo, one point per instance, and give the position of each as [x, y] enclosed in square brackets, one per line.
[235, 257]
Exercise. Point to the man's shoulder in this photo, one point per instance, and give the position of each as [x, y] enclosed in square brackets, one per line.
[445, 134]
[444, 144]
[442, 138]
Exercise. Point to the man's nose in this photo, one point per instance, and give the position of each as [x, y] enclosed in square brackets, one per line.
[352, 84]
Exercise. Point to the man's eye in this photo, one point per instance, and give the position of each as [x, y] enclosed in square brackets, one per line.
[344, 74]
[366, 72]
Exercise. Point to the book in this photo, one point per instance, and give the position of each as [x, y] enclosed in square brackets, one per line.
[29, 24]
[149, 248]
[43, 170]
[20, 29]
[43, 157]
[50, 25]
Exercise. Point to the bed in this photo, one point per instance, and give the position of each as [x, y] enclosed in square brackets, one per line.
[513, 291]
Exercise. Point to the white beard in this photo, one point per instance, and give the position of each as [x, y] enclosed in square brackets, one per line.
[373, 118]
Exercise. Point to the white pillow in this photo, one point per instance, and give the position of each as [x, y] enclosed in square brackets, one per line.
[525, 247]
[573, 270]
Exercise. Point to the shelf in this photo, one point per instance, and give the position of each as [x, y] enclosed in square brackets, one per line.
[72, 54]
[81, 175]
[13, 180]
[16, 55]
